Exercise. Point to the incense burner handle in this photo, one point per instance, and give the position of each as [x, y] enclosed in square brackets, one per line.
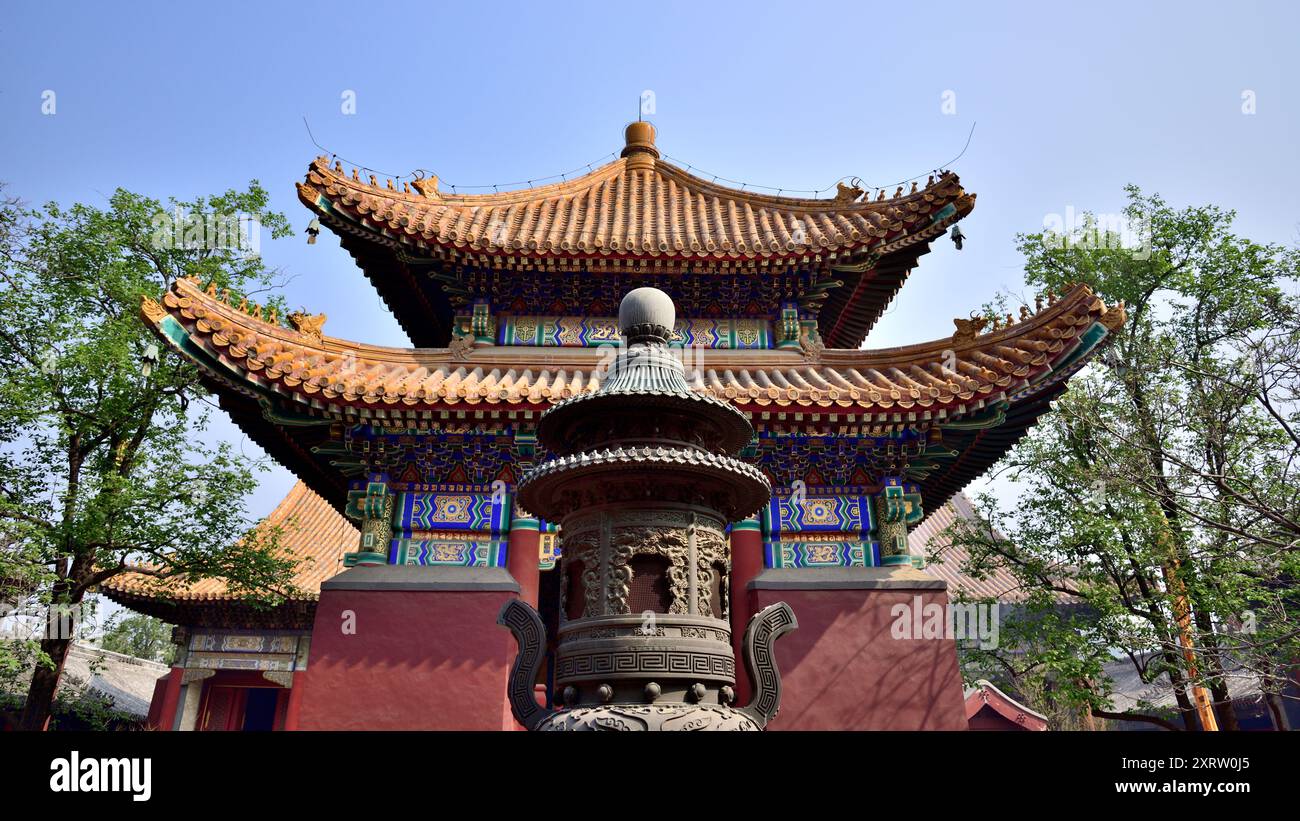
[764, 628]
[530, 634]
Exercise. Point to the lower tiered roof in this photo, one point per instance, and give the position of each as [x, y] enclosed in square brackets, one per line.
[294, 389]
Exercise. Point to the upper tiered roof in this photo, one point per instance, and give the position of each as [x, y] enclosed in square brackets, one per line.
[637, 213]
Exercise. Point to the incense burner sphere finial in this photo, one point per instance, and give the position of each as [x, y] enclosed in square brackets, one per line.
[646, 315]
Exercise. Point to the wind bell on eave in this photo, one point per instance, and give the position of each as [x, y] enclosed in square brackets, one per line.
[149, 360]
[957, 236]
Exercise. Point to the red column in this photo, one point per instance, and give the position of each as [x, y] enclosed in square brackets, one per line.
[295, 702]
[522, 557]
[170, 698]
[746, 563]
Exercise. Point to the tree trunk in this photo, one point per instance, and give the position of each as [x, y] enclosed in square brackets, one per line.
[1212, 656]
[1186, 710]
[61, 625]
[1277, 712]
[1223, 709]
[40, 695]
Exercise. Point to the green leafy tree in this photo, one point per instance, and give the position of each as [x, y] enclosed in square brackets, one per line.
[140, 636]
[102, 467]
[1161, 498]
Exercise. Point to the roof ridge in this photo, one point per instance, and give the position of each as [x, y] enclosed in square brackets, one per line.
[576, 186]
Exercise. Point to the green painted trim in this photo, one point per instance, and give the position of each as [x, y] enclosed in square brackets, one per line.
[748, 524]
[362, 558]
[524, 524]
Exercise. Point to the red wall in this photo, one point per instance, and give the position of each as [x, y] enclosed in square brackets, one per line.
[842, 670]
[420, 660]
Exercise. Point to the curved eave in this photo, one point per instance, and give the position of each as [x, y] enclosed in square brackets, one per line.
[986, 695]
[852, 310]
[312, 533]
[217, 612]
[286, 388]
[244, 397]
[338, 379]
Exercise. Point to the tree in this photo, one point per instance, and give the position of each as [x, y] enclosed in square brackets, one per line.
[140, 636]
[102, 470]
[1162, 496]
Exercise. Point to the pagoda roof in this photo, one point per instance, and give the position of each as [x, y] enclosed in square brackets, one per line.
[278, 382]
[314, 533]
[635, 209]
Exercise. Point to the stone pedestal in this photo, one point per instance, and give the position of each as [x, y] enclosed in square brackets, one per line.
[843, 669]
[408, 648]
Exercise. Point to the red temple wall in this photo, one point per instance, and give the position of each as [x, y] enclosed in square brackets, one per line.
[842, 669]
[419, 660]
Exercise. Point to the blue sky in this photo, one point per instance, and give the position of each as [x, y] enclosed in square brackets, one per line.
[1071, 102]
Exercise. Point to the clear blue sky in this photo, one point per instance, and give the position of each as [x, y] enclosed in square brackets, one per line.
[1072, 101]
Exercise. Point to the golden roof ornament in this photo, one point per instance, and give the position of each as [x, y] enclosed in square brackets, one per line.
[639, 145]
[1114, 317]
[152, 310]
[847, 193]
[307, 324]
[968, 329]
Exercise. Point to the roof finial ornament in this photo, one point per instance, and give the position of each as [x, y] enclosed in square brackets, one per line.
[639, 145]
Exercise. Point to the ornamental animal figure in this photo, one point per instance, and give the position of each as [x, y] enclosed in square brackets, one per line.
[968, 329]
[307, 324]
[847, 193]
[810, 343]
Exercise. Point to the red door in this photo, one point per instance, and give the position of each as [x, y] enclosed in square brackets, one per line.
[254, 709]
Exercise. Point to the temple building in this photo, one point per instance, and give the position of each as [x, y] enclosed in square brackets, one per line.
[509, 299]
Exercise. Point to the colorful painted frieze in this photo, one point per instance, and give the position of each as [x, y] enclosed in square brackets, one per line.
[452, 552]
[578, 331]
[819, 528]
